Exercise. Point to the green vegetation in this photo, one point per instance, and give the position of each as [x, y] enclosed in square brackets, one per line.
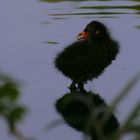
[10, 108]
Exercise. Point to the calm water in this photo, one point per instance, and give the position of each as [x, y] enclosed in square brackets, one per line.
[33, 32]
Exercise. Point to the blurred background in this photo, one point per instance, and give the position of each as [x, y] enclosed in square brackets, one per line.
[32, 32]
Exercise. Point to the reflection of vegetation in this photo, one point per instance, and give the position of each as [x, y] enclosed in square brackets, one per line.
[91, 13]
[51, 42]
[135, 7]
[100, 9]
[59, 0]
[89, 114]
[10, 109]
[72, 0]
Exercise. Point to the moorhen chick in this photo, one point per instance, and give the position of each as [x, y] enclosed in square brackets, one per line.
[87, 58]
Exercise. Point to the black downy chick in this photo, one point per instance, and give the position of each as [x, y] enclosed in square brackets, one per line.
[87, 58]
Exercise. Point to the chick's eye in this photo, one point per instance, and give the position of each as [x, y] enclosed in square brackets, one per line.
[97, 32]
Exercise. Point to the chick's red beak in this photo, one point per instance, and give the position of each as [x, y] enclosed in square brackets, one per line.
[82, 36]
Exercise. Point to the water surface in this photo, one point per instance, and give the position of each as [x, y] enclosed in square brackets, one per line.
[33, 32]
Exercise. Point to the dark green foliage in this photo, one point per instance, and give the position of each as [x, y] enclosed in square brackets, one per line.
[10, 109]
[9, 90]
